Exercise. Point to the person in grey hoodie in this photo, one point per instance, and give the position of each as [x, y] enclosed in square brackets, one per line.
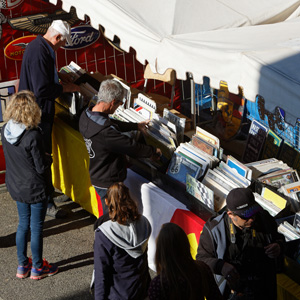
[120, 249]
[27, 168]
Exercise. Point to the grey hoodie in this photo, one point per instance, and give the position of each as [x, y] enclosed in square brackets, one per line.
[132, 237]
[13, 131]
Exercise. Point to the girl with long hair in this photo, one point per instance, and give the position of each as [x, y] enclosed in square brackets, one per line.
[179, 275]
[120, 249]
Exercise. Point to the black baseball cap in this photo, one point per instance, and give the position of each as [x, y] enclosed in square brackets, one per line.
[241, 201]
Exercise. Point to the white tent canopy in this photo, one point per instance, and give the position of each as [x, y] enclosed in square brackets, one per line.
[252, 44]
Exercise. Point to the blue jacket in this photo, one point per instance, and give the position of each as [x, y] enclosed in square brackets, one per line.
[38, 74]
[120, 260]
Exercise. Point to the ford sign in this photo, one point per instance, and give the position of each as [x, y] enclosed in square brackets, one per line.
[82, 36]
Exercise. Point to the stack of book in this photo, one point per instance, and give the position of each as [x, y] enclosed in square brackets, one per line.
[225, 177]
[187, 160]
[88, 88]
[268, 205]
[161, 133]
[266, 166]
[145, 106]
[292, 190]
[195, 158]
[179, 123]
[127, 115]
[280, 178]
[291, 232]
[277, 182]
[272, 200]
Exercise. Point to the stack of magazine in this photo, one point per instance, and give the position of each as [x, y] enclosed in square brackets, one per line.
[225, 177]
[266, 166]
[291, 232]
[87, 89]
[145, 106]
[193, 159]
[161, 133]
[270, 201]
[179, 123]
[187, 160]
[280, 178]
[292, 190]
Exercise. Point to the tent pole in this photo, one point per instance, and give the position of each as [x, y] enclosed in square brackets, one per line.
[193, 104]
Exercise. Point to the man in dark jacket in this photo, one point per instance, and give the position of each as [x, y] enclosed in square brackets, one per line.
[39, 75]
[242, 245]
[105, 141]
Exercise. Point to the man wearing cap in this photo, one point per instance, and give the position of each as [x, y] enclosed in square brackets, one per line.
[242, 247]
[39, 75]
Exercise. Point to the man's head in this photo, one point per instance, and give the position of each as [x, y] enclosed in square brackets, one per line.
[111, 93]
[242, 207]
[58, 33]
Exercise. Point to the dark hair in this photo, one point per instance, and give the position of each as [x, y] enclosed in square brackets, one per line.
[175, 264]
[121, 207]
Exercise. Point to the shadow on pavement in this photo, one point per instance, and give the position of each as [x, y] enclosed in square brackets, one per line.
[76, 262]
[8, 240]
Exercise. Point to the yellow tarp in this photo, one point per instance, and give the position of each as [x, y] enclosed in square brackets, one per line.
[70, 166]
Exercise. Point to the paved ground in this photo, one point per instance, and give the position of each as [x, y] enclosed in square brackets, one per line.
[67, 242]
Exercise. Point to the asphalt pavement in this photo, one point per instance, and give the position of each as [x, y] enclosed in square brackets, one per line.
[68, 243]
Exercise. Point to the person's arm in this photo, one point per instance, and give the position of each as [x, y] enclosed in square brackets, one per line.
[275, 240]
[102, 266]
[207, 251]
[125, 126]
[120, 143]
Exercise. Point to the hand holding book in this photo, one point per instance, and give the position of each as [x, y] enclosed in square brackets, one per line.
[143, 126]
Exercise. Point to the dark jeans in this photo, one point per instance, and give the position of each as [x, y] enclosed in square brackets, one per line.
[31, 216]
[102, 194]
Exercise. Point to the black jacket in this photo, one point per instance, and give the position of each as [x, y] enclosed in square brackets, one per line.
[107, 147]
[215, 247]
[38, 75]
[26, 166]
[120, 259]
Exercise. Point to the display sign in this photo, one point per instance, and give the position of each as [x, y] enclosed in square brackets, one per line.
[82, 36]
[16, 48]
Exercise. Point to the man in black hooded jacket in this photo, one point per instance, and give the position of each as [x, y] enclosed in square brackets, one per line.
[105, 141]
